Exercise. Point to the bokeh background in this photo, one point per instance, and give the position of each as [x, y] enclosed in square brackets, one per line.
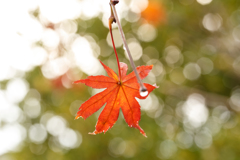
[194, 46]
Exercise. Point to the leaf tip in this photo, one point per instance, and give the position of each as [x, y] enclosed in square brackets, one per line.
[77, 117]
[155, 85]
[75, 82]
[143, 133]
[141, 130]
[101, 63]
[92, 133]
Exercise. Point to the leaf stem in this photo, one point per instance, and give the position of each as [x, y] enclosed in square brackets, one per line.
[112, 4]
[110, 21]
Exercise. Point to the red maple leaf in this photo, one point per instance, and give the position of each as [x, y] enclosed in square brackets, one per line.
[118, 94]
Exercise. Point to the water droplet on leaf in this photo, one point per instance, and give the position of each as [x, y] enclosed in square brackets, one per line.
[143, 93]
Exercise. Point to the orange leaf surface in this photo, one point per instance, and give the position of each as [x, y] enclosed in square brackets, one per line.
[118, 94]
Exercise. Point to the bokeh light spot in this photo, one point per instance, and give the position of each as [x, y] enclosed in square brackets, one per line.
[221, 114]
[10, 113]
[132, 16]
[152, 106]
[167, 149]
[117, 39]
[63, 9]
[196, 113]
[56, 67]
[192, 71]
[69, 26]
[235, 100]
[212, 22]
[158, 68]
[177, 76]
[11, 136]
[236, 33]
[117, 146]
[204, 2]
[32, 108]
[205, 64]
[147, 32]
[184, 140]
[138, 5]
[56, 125]
[16, 90]
[172, 54]
[203, 139]
[84, 56]
[135, 50]
[50, 39]
[70, 139]
[212, 126]
[37, 133]
[236, 65]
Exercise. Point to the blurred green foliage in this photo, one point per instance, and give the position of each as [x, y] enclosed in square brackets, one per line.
[215, 79]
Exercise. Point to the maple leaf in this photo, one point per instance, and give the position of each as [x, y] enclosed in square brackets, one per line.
[118, 94]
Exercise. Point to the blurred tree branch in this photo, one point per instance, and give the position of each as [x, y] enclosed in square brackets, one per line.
[182, 92]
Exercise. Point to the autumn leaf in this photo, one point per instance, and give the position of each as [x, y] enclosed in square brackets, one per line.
[118, 94]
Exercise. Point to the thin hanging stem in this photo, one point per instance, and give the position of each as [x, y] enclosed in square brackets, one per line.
[110, 21]
[112, 4]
